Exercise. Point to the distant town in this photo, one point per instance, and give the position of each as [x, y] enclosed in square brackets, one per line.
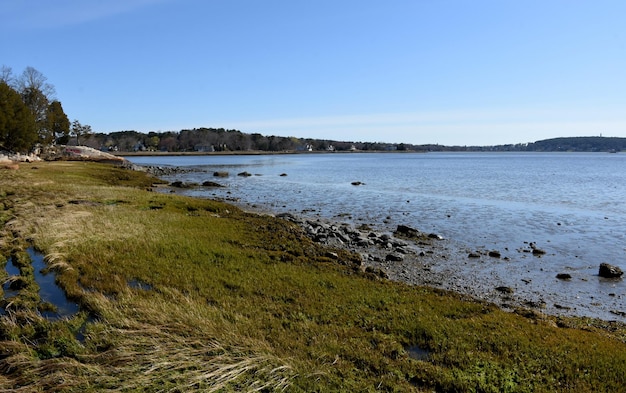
[206, 140]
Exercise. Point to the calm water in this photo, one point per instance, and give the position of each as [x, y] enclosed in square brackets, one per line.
[569, 204]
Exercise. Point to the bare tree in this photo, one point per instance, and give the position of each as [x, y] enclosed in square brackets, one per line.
[6, 75]
[35, 80]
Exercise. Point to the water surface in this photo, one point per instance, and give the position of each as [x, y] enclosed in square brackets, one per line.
[569, 204]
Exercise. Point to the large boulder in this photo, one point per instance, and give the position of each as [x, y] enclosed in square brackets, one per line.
[609, 271]
[79, 153]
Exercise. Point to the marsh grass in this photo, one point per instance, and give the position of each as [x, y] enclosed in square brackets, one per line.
[239, 302]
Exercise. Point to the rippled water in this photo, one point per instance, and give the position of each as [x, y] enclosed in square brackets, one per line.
[569, 204]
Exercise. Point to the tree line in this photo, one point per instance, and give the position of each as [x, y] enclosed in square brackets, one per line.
[223, 140]
[30, 114]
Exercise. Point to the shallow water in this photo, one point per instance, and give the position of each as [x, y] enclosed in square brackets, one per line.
[570, 204]
[49, 291]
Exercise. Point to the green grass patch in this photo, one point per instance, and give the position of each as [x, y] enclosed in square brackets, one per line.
[182, 294]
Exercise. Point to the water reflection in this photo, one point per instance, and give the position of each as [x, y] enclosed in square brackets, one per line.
[49, 291]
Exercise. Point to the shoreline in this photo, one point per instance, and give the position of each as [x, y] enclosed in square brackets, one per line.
[256, 153]
[446, 264]
[432, 261]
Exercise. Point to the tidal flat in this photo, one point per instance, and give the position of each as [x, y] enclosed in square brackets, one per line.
[178, 293]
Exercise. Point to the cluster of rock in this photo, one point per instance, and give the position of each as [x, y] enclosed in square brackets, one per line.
[10, 160]
[373, 246]
[159, 171]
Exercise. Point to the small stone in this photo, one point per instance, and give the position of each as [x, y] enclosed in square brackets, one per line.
[394, 257]
[211, 184]
[473, 255]
[495, 254]
[609, 271]
[503, 289]
[564, 276]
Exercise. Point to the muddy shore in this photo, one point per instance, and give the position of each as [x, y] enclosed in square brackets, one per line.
[485, 274]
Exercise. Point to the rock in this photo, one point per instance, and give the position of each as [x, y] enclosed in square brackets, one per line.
[357, 183]
[564, 276]
[244, 174]
[536, 250]
[609, 271]
[283, 174]
[394, 257]
[80, 153]
[9, 165]
[180, 184]
[536, 304]
[435, 236]
[407, 231]
[211, 184]
[473, 255]
[220, 174]
[380, 273]
[503, 289]
[495, 254]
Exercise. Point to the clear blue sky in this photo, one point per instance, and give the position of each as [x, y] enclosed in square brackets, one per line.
[452, 72]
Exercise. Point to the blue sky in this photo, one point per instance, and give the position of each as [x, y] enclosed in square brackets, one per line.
[418, 71]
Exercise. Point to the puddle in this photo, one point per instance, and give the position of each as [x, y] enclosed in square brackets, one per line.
[138, 284]
[49, 291]
[417, 353]
[13, 271]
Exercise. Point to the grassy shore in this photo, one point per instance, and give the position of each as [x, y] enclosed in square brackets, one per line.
[180, 294]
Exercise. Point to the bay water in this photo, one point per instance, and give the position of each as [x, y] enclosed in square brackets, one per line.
[571, 205]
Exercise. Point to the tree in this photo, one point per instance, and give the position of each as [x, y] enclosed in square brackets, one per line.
[79, 131]
[6, 75]
[37, 95]
[18, 130]
[58, 125]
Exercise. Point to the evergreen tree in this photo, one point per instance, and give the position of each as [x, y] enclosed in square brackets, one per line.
[58, 125]
[80, 131]
[18, 129]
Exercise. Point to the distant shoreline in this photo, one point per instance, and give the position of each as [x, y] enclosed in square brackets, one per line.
[250, 153]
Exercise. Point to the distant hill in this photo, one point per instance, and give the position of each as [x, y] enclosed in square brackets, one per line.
[581, 144]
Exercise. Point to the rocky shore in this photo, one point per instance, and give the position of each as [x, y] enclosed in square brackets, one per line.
[411, 256]
[418, 258]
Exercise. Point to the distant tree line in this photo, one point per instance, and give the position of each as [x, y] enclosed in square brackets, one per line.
[223, 140]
